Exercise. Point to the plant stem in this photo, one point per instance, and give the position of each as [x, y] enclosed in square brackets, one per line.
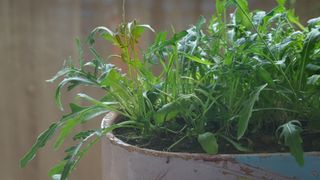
[280, 109]
[177, 142]
[123, 11]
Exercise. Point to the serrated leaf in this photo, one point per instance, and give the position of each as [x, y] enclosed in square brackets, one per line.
[40, 142]
[291, 134]
[309, 43]
[75, 119]
[208, 142]
[79, 80]
[70, 163]
[246, 111]
[82, 135]
[75, 153]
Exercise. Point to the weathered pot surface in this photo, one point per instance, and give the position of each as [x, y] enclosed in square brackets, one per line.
[122, 161]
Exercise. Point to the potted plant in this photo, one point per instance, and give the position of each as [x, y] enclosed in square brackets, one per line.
[229, 103]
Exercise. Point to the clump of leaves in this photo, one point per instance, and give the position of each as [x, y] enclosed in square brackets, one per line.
[243, 76]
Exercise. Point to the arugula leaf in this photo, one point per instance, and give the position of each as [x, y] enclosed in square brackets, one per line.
[167, 112]
[105, 33]
[246, 111]
[290, 132]
[40, 142]
[79, 80]
[196, 59]
[208, 142]
[76, 118]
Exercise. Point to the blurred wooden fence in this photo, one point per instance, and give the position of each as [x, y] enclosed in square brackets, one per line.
[36, 36]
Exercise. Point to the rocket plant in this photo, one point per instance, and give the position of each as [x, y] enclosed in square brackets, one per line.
[240, 80]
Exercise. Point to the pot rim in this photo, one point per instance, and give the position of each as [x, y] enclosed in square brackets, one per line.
[112, 117]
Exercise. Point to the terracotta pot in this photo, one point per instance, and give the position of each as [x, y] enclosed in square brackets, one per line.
[122, 161]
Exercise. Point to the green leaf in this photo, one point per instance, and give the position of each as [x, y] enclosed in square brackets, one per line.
[291, 134]
[220, 7]
[146, 26]
[76, 108]
[196, 59]
[96, 102]
[237, 145]
[281, 2]
[75, 119]
[40, 142]
[242, 13]
[273, 14]
[80, 52]
[78, 80]
[266, 76]
[246, 111]
[314, 22]
[258, 17]
[175, 38]
[98, 58]
[105, 33]
[112, 78]
[294, 19]
[167, 112]
[71, 162]
[75, 153]
[313, 67]
[82, 135]
[56, 170]
[314, 79]
[201, 21]
[161, 37]
[119, 86]
[208, 142]
[309, 43]
[60, 73]
[139, 29]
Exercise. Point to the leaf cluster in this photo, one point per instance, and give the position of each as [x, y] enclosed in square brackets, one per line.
[221, 82]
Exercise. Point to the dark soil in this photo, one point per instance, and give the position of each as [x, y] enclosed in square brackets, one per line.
[258, 142]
